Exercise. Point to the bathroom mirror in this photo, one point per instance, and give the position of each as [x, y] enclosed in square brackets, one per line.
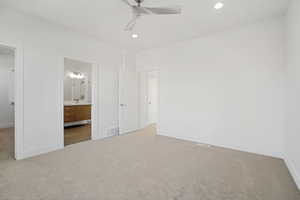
[77, 82]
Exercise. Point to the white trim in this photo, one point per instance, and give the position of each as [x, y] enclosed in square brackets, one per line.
[296, 176]
[36, 152]
[164, 133]
[120, 135]
[19, 98]
[61, 104]
[131, 130]
[158, 100]
[120, 87]
[7, 125]
[95, 102]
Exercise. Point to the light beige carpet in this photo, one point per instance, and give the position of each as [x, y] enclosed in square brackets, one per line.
[142, 166]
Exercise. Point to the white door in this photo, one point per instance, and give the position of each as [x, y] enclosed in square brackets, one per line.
[152, 97]
[128, 97]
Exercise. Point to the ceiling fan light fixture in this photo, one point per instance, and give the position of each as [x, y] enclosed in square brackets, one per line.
[219, 5]
[134, 36]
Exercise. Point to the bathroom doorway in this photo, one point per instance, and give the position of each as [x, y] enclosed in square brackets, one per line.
[78, 101]
[7, 102]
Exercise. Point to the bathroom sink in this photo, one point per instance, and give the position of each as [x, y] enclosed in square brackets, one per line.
[75, 103]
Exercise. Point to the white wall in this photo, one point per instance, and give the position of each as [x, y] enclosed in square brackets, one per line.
[293, 86]
[44, 47]
[225, 89]
[6, 109]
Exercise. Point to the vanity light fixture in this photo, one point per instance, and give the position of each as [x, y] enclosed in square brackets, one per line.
[76, 75]
[219, 5]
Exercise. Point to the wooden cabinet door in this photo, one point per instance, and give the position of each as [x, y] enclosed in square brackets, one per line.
[69, 114]
[83, 112]
[77, 113]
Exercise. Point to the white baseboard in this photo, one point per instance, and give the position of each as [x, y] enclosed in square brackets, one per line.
[32, 153]
[97, 137]
[296, 176]
[177, 137]
[290, 164]
[7, 125]
[220, 145]
[130, 131]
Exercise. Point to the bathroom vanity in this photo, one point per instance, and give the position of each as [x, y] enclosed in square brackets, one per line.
[77, 112]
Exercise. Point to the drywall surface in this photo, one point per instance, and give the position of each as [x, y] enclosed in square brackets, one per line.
[225, 89]
[44, 48]
[293, 84]
[6, 108]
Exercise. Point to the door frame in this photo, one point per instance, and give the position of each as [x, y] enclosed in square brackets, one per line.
[120, 87]
[148, 89]
[95, 99]
[18, 98]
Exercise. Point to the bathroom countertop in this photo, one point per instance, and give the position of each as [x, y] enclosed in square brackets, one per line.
[71, 103]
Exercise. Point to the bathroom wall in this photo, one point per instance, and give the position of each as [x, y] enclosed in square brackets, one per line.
[6, 109]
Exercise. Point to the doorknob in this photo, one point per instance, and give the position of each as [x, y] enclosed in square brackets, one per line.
[122, 105]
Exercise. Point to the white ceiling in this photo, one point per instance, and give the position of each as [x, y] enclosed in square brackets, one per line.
[106, 19]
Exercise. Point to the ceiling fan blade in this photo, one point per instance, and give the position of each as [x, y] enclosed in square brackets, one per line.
[164, 10]
[141, 10]
[131, 24]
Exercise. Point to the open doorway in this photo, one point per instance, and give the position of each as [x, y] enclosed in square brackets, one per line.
[149, 98]
[7, 110]
[77, 101]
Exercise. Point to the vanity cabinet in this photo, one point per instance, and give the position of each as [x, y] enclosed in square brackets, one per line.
[76, 113]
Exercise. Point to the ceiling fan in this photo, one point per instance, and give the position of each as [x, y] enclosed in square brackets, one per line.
[139, 10]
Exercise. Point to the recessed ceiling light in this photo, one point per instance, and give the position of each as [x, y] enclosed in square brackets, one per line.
[219, 5]
[134, 36]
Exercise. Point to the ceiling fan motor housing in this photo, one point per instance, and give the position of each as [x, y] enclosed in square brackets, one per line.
[139, 2]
